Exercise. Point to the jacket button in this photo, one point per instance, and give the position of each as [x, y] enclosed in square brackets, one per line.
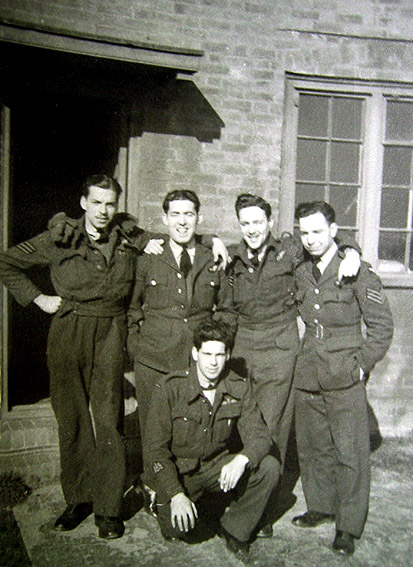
[316, 321]
[179, 291]
[153, 282]
[99, 267]
[185, 320]
[251, 270]
[316, 291]
[316, 306]
[178, 275]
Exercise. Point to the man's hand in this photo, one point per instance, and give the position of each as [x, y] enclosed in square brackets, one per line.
[62, 229]
[220, 253]
[232, 472]
[154, 246]
[48, 303]
[350, 265]
[183, 512]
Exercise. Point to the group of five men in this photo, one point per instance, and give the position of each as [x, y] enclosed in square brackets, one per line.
[181, 316]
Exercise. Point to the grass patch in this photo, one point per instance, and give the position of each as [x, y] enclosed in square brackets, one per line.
[395, 454]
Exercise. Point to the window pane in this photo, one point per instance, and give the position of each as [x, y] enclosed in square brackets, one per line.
[344, 162]
[344, 234]
[394, 208]
[344, 202]
[392, 246]
[311, 158]
[399, 123]
[305, 193]
[396, 166]
[347, 118]
[313, 115]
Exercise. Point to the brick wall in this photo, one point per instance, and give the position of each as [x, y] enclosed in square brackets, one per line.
[248, 46]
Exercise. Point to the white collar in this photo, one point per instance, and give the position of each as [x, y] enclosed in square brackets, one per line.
[326, 258]
[177, 251]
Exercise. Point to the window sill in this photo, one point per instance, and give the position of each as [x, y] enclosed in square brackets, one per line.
[396, 280]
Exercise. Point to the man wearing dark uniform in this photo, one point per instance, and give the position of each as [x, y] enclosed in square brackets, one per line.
[173, 292]
[92, 277]
[193, 420]
[267, 341]
[330, 399]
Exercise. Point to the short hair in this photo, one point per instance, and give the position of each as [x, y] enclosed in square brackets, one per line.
[101, 180]
[213, 331]
[181, 195]
[248, 200]
[313, 207]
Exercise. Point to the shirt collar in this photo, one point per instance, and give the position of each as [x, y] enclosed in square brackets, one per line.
[177, 251]
[326, 258]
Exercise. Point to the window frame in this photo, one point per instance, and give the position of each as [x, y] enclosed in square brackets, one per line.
[374, 94]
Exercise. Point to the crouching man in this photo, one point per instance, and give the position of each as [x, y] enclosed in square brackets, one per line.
[193, 420]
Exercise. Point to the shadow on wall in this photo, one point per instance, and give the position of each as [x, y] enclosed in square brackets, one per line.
[179, 108]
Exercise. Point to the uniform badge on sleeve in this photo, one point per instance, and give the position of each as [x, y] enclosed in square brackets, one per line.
[374, 295]
[157, 467]
[26, 247]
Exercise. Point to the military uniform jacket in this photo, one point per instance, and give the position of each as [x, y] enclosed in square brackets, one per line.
[334, 347]
[79, 272]
[165, 308]
[187, 432]
[264, 296]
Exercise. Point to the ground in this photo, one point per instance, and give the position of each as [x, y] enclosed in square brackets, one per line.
[386, 541]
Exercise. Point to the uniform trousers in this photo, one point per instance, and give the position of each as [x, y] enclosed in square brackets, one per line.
[333, 449]
[270, 355]
[86, 357]
[247, 501]
[145, 380]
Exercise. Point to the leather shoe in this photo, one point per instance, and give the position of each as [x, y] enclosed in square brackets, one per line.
[73, 516]
[265, 532]
[311, 519]
[343, 543]
[238, 548]
[110, 527]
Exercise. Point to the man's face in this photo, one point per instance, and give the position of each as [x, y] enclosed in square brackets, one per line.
[316, 234]
[255, 226]
[181, 220]
[100, 206]
[210, 360]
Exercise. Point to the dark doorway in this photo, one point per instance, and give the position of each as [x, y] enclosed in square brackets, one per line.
[60, 133]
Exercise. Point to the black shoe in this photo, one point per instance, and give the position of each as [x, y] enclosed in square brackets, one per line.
[265, 532]
[343, 543]
[312, 519]
[110, 527]
[238, 548]
[72, 517]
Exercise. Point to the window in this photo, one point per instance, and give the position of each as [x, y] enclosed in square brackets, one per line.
[350, 143]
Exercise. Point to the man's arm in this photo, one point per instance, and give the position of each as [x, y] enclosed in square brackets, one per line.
[17, 260]
[224, 309]
[161, 473]
[377, 316]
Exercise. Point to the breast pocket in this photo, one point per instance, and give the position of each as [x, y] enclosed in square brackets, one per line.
[185, 426]
[156, 291]
[226, 420]
[208, 289]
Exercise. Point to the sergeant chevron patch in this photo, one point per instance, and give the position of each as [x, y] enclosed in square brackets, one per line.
[26, 247]
[374, 295]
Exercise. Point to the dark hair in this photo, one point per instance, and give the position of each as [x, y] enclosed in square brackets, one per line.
[247, 200]
[101, 180]
[213, 331]
[181, 195]
[313, 207]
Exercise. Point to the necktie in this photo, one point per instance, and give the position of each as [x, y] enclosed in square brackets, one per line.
[254, 260]
[316, 270]
[185, 262]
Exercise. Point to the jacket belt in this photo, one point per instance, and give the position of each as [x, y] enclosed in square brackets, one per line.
[246, 321]
[92, 308]
[321, 332]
